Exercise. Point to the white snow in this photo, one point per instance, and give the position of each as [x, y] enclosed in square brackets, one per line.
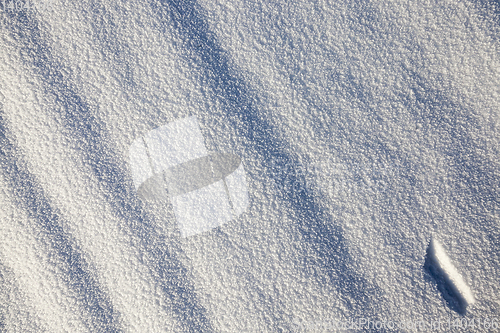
[363, 127]
[451, 274]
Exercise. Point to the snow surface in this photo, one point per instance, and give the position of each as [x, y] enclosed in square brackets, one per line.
[365, 128]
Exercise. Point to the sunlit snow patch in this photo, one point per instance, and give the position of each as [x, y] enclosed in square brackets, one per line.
[206, 190]
[450, 282]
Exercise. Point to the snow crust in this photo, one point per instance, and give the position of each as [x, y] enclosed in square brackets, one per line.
[363, 127]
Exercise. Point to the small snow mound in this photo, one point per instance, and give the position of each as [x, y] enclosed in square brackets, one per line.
[455, 284]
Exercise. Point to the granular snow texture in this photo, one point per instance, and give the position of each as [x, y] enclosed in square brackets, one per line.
[365, 128]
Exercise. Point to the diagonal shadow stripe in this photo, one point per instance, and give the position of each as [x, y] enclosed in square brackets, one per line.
[81, 121]
[116, 51]
[98, 313]
[325, 239]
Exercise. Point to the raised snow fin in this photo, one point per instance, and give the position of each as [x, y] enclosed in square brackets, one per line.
[450, 283]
